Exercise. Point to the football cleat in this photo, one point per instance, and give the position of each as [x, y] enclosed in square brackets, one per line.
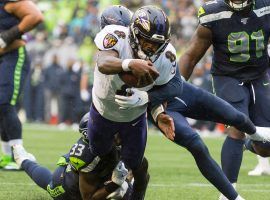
[11, 166]
[262, 134]
[222, 197]
[4, 160]
[259, 171]
[20, 154]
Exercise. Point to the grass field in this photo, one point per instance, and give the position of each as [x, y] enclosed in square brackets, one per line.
[174, 175]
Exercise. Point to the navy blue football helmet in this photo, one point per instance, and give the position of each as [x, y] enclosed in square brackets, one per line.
[151, 24]
[83, 126]
[117, 15]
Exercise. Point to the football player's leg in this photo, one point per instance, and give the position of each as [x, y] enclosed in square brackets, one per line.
[13, 67]
[203, 105]
[188, 138]
[133, 137]
[259, 113]
[100, 133]
[40, 175]
[234, 92]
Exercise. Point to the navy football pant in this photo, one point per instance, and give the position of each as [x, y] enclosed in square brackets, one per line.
[199, 104]
[14, 67]
[45, 179]
[185, 136]
[133, 137]
[251, 98]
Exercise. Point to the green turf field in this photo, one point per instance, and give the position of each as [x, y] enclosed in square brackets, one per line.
[174, 175]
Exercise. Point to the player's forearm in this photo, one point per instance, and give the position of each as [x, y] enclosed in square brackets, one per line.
[29, 22]
[186, 65]
[100, 194]
[109, 65]
[14, 45]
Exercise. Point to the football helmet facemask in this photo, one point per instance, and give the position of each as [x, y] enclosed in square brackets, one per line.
[149, 25]
[239, 5]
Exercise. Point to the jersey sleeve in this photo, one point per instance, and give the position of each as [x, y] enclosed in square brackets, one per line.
[107, 39]
[166, 65]
[81, 159]
[212, 11]
[204, 16]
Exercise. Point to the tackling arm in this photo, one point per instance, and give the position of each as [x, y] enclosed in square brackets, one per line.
[88, 184]
[200, 42]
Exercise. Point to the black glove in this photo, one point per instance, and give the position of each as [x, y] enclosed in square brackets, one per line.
[7, 37]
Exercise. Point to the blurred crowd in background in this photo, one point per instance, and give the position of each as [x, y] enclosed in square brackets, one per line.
[62, 52]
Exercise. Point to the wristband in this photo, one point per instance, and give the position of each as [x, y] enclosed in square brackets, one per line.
[125, 64]
[10, 35]
[156, 111]
[110, 186]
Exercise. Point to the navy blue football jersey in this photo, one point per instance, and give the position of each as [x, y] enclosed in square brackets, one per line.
[239, 41]
[7, 20]
[82, 160]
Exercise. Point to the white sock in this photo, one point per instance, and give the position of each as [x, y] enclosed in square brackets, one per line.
[15, 141]
[263, 162]
[6, 149]
[239, 198]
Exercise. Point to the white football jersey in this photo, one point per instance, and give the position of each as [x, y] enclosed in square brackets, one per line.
[114, 37]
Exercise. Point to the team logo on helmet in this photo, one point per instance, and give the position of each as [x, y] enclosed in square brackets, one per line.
[109, 41]
[143, 20]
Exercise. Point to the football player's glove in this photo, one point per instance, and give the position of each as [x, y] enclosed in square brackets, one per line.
[8, 36]
[119, 174]
[137, 98]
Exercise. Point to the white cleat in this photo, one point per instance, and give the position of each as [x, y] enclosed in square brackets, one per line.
[239, 198]
[259, 171]
[222, 197]
[262, 134]
[20, 154]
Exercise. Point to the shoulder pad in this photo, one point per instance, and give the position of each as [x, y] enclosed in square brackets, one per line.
[109, 36]
[212, 11]
[261, 8]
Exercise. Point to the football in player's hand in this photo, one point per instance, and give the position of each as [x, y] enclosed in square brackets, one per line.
[132, 81]
[129, 78]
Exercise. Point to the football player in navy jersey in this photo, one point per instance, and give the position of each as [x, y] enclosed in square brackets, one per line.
[239, 32]
[16, 18]
[79, 174]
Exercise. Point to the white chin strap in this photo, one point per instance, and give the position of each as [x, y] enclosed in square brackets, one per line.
[238, 6]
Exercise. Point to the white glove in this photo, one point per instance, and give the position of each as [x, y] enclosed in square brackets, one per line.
[119, 193]
[138, 98]
[119, 174]
[85, 96]
[3, 44]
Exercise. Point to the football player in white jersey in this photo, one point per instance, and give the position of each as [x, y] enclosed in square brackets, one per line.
[118, 54]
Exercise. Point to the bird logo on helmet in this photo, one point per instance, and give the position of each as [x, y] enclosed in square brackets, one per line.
[239, 5]
[151, 24]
